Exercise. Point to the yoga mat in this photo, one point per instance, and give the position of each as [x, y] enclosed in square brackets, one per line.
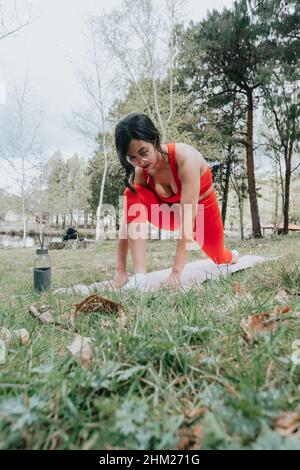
[194, 274]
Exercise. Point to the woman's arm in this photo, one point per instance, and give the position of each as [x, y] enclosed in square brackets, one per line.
[189, 174]
[122, 250]
[188, 164]
[121, 276]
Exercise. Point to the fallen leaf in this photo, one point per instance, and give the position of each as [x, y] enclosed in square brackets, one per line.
[96, 303]
[61, 351]
[190, 438]
[261, 324]
[194, 413]
[43, 312]
[23, 335]
[8, 335]
[238, 288]
[82, 350]
[279, 310]
[296, 344]
[288, 422]
[282, 296]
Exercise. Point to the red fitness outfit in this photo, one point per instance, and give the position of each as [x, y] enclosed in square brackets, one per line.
[208, 227]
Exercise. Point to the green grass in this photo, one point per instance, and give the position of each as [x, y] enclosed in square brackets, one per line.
[180, 352]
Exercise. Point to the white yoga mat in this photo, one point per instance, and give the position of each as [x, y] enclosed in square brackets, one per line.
[194, 273]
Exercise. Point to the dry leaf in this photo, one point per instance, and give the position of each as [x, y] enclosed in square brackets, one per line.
[194, 413]
[2, 352]
[190, 438]
[238, 288]
[43, 312]
[287, 423]
[260, 324]
[82, 350]
[23, 335]
[96, 303]
[282, 296]
[8, 335]
[296, 344]
[279, 310]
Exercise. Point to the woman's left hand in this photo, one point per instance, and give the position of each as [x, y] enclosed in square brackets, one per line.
[172, 281]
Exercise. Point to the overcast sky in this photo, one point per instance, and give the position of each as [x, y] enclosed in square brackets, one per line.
[47, 50]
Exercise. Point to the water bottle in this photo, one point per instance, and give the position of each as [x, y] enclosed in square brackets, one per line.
[42, 270]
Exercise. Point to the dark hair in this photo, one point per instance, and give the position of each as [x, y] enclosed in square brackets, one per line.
[134, 126]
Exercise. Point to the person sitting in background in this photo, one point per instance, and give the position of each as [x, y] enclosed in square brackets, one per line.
[71, 234]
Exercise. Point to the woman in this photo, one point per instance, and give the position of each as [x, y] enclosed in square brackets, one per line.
[169, 185]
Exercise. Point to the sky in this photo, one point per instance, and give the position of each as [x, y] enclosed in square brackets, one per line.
[47, 51]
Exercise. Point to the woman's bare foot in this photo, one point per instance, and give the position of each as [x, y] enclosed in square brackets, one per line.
[120, 280]
[235, 256]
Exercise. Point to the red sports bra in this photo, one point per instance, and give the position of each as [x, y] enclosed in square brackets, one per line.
[205, 180]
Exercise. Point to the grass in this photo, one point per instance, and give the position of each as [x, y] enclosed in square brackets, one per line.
[180, 375]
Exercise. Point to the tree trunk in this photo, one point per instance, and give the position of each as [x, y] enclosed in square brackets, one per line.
[226, 187]
[241, 213]
[256, 230]
[72, 221]
[85, 218]
[98, 212]
[286, 208]
[276, 203]
[24, 222]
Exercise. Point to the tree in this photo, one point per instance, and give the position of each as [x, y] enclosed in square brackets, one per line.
[228, 57]
[238, 180]
[7, 202]
[76, 186]
[10, 20]
[20, 145]
[229, 112]
[142, 40]
[67, 187]
[97, 83]
[114, 178]
[55, 175]
[281, 20]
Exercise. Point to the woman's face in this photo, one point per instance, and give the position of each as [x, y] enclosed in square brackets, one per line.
[142, 154]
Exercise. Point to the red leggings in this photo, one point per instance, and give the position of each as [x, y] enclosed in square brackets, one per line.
[208, 228]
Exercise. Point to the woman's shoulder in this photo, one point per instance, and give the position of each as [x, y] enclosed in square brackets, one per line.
[186, 151]
[178, 147]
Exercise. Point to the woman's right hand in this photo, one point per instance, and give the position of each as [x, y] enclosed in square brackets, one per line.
[120, 279]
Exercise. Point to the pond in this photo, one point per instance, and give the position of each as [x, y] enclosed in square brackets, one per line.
[9, 241]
